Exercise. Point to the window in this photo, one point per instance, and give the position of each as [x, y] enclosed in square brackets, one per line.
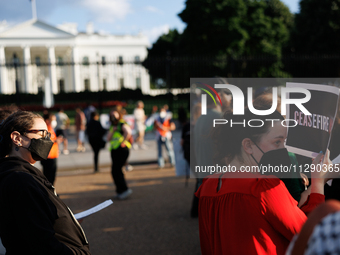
[60, 61]
[86, 61]
[61, 84]
[120, 60]
[38, 61]
[104, 84]
[15, 59]
[87, 84]
[103, 61]
[137, 60]
[121, 83]
[138, 83]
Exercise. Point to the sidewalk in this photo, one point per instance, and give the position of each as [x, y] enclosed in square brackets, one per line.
[154, 220]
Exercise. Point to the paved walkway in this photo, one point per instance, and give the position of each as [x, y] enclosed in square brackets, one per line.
[154, 220]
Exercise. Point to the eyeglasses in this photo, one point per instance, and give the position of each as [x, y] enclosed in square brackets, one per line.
[44, 133]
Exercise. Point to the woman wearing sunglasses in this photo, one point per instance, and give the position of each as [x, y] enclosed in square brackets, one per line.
[33, 219]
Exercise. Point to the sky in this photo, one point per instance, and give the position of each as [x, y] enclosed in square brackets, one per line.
[150, 17]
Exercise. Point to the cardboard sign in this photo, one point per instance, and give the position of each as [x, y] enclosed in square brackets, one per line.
[312, 132]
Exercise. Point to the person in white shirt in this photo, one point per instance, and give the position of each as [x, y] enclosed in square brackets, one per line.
[139, 115]
[63, 123]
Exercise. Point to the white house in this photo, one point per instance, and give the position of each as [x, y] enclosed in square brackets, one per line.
[70, 60]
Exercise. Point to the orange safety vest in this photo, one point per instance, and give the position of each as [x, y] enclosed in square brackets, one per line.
[166, 124]
[54, 152]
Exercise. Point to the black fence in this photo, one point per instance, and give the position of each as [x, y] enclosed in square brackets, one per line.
[175, 71]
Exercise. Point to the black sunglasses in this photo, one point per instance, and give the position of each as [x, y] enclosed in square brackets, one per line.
[45, 134]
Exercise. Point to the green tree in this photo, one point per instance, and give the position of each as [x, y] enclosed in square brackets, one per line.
[240, 38]
[214, 27]
[317, 27]
[165, 43]
[314, 39]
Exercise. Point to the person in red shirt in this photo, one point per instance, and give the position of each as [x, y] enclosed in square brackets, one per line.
[80, 123]
[245, 212]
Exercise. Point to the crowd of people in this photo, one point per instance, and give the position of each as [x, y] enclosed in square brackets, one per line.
[238, 213]
[48, 226]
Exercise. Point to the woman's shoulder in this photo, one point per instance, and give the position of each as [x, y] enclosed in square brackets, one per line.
[267, 184]
[18, 179]
[19, 186]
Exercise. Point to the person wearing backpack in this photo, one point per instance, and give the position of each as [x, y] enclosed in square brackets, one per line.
[118, 137]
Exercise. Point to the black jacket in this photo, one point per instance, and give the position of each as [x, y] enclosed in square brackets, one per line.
[95, 132]
[33, 219]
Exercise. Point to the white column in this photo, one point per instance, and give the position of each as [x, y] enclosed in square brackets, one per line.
[3, 72]
[28, 70]
[93, 73]
[52, 69]
[114, 79]
[100, 68]
[76, 70]
[145, 79]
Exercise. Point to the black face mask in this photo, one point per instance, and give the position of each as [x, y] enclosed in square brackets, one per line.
[276, 159]
[40, 148]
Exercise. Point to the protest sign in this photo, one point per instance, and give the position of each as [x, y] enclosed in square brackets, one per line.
[311, 133]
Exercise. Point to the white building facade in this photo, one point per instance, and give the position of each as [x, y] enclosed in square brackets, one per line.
[33, 54]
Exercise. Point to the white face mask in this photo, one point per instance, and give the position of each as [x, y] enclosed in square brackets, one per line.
[162, 114]
[53, 124]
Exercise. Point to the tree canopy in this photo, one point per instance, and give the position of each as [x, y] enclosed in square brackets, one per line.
[317, 27]
[222, 32]
[250, 38]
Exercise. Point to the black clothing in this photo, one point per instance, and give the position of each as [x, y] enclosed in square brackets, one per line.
[334, 143]
[95, 133]
[49, 169]
[95, 158]
[33, 219]
[119, 157]
[61, 132]
[186, 141]
[333, 192]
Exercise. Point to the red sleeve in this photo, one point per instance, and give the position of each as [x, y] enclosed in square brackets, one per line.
[198, 192]
[312, 202]
[279, 207]
[77, 119]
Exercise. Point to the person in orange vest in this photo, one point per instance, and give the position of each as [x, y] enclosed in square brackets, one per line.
[164, 126]
[50, 164]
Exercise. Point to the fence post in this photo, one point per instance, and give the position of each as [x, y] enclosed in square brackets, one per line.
[17, 89]
[168, 79]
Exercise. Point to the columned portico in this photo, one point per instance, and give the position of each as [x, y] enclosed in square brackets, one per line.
[71, 61]
[27, 70]
[52, 69]
[3, 71]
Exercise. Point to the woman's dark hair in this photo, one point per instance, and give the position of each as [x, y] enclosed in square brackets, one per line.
[18, 121]
[228, 139]
[47, 116]
[4, 114]
[118, 109]
[94, 114]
